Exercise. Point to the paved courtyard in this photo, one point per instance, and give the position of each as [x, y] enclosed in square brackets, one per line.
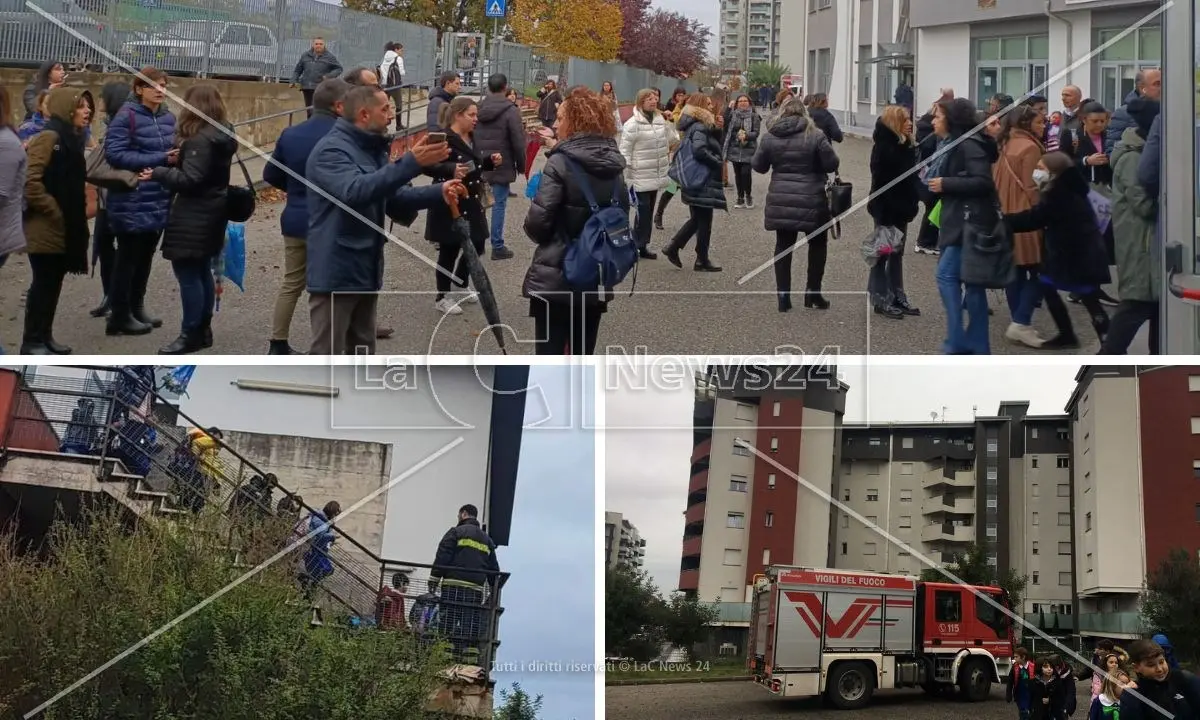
[670, 312]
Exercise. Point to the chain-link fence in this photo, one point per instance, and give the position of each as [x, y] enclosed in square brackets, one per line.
[626, 80]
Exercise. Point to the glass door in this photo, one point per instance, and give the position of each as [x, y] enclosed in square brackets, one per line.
[987, 84]
[1039, 73]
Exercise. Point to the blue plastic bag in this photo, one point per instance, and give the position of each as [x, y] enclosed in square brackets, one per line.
[235, 254]
[532, 186]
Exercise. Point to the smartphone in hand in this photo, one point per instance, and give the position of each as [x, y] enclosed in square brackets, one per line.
[436, 138]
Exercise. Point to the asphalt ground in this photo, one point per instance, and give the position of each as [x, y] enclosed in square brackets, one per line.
[745, 700]
[670, 312]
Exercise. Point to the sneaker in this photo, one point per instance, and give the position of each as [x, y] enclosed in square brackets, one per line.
[502, 253]
[749, 204]
[448, 307]
[920, 250]
[470, 298]
[1106, 299]
[739, 205]
[1023, 335]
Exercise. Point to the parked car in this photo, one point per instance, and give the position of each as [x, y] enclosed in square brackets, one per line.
[233, 49]
[28, 37]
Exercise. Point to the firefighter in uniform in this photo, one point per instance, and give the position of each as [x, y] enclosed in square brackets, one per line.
[465, 564]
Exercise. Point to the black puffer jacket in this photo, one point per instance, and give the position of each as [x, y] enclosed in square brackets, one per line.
[438, 97]
[800, 158]
[890, 159]
[470, 552]
[699, 128]
[828, 124]
[1073, 247]
[199, 186]
[500, 130]
[967, 185]
[559, 211]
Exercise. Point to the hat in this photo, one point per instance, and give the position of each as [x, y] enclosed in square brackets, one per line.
[1143, 111]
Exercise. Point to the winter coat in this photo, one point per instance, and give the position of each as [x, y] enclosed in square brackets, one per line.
[470, 552]
[438, 97]
[312, 68]
[438, 222]
[292, 150]
[55, 185]
[967, 186]
[742, 151]
[501, 130]
[1104, 708]
[646, 145]
[698, 128]
[1046, 699]
[548, 107]
[827, 123]
[1150, 166]
[32, 126]
[391, 61]
[799, 158]
[13, 164]
[1094, 174]
[41, 81]
[138, 139]
[1020, 684]
[1073, 252]
[891, 158]
[351, 166]
[200, 183]
[316, 559]
[1013, 175]
[1179, 695]
[1134, 215]
[559, 211]
[924, 128]
[1118, 123]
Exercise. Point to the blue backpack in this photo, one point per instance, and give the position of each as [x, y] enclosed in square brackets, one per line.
[688, 172]
[604, 253]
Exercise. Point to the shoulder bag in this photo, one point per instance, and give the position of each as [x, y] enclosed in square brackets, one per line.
[840, 195]
[987, 249]
[103, 175]
[240, 200]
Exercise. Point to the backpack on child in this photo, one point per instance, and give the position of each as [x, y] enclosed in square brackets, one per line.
[605, 252]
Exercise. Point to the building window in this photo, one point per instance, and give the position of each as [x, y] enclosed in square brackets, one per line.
[906, 468]
[766, 556]
[873, 468]
[1064, 578]
[1064, 519]
[906, 496]
[847, 467]
[905, 522]
[744, 412]
[1064, 490]
[993, 446]
[1036, 577]
[775, 409]
[770, 521]
[906, 443]
[864, 73]
[1087, 521]
[992, 473]
[1062, 462]
[991, 531]
[1193, 383]
[771, 481]
[824, 64]
[733, 557]
[1034, 548]
[1062, 433]
[739, 449]
[873, 520]
[903, 554]
[1035, 519]
[1064, 548]
[737, 483]
[874, 441]
[774, 444]
[845, 520]
[992, 503]
[868, 548]
[735, 520]
[844, 548]
[1033, 462]
[1196, 426]
[1033, 490]
[1089, 562]
[1033, 433]
[1118, 64]
[846, 495]
[872, 495]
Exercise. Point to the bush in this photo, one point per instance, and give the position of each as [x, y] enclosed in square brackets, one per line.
[100, 585]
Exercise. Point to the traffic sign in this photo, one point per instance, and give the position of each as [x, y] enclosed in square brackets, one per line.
[497, 8]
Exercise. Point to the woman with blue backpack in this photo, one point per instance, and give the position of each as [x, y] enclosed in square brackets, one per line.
[582, 182]
[697, 169]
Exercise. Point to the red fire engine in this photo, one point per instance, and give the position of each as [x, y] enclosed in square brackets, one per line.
[847, 634]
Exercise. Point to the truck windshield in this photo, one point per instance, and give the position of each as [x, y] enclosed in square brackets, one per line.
[990, 616]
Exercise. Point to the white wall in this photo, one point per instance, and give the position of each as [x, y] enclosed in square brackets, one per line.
[843, 77]
[943, 59]
[416, 418]
[811, 543]
[793, 33]
[1059, 59]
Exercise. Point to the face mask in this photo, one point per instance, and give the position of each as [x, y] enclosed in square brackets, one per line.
[1041, 178]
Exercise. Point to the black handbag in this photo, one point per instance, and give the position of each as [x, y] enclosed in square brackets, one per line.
[987, 251]
[841, 197]
[240, 201]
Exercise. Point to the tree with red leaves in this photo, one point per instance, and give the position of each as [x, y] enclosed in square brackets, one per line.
[666, 42]
[633, 16]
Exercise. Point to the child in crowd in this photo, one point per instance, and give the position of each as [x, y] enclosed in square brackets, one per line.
[1175, 691]
[36, 122]
[1046, 696]
[1107, 705]
[1020, 682]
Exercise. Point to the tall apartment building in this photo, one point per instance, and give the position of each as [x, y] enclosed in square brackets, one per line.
[749, 32]
[622, 543]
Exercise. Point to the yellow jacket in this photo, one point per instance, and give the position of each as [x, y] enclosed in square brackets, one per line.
[206, 450]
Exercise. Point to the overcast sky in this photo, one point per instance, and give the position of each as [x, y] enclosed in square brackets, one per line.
[646, 470]
[706, 11]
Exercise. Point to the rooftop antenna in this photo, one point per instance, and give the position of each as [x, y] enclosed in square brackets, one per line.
[974, 412]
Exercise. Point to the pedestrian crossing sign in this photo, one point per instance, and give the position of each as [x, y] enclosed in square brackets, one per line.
[497, 8]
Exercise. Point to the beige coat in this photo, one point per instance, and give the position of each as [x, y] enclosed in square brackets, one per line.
[1013, 175]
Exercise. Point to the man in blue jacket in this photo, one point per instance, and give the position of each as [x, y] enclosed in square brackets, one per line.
[351, 185]
[1148, 84]
[292, 151]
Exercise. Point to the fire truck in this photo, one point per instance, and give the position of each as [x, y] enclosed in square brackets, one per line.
[846, 634]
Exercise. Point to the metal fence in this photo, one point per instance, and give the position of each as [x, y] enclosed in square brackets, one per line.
[626, 80]
[250, 38]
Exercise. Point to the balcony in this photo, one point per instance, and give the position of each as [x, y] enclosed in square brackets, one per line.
[937, 477]
[698, 483]
[946, 532]
[702, 449]
[691, 546]
[694, 514]
[730, 613]
[958, 506]
[689, 579]
[1111, 624]
[1050, 622]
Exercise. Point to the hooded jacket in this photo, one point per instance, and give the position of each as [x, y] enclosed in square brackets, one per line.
[559, 211]
[41, 81]
[1165, 644]
[292, 150]
[1134, 215]
[501, 130]
[465, 556]
[1118, 124]
[799, 158]
[13, 164]
[438, 97]
[56, 185]
[200, 185]
[698, 129]
[136, 139]
[646, 145]
[967, 185]
[351, 165]
[891, 158]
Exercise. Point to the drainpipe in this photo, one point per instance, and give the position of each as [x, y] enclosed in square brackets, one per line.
[1070, 39]
[852, 64]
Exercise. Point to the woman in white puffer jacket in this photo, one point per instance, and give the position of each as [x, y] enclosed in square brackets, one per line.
[646, 142]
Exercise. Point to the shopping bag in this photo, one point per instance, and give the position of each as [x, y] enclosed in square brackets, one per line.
[1102, 207]
[235, 254]
[881, 242]
[531, 187]
[935, 215]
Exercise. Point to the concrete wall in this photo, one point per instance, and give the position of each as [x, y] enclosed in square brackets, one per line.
[943, 59]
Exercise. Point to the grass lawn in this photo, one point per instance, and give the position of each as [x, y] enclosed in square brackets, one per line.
[673, 672]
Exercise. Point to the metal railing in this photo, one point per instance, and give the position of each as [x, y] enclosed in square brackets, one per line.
[114, 415]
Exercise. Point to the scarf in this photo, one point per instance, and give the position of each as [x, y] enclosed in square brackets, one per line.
[65, 181]
[937, 161]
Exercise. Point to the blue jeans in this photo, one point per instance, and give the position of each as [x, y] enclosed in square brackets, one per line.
[197, 290]
[1023, 294]
[500, 195]
[956, 297]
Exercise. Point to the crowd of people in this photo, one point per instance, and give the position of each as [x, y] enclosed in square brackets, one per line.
[1070, 196]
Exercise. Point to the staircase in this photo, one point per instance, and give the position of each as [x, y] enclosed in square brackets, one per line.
[113, 420]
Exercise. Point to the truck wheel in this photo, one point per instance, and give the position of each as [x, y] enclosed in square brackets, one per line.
[850, 686]
[974, 681]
